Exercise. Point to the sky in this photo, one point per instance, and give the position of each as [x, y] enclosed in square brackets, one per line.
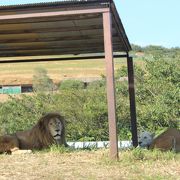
[146, 22]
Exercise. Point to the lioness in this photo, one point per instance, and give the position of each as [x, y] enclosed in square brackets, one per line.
[48, 130]
[168, 140]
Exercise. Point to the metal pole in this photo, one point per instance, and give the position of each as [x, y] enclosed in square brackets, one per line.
[132, 101]
[107, 24]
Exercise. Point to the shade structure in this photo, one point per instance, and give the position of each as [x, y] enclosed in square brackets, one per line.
[58, 28]
[78, 27]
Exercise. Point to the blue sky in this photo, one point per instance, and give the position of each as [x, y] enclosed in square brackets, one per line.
[151, 21]
[147, 22]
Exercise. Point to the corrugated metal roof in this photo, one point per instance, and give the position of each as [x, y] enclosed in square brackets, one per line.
[47, 3]
[21, 2]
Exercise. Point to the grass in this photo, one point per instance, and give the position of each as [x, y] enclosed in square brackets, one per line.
[57, 70]
[59, 163]
[22, 73]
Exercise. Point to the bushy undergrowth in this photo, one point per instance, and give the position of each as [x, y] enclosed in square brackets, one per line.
[158, 94]
[85, 109]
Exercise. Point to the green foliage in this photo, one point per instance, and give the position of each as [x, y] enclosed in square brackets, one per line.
[139, 154]
[22, 113]
[122, 72]
[136, 48]
[41, 81]
[157, 90]
[85, 109]
[97, 84]
[59, 149]
[86, 112]
[71, 84]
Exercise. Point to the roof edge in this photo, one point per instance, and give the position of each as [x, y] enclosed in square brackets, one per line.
[53, 4]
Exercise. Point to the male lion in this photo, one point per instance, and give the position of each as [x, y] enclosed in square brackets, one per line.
[48, 130]
[168, 140]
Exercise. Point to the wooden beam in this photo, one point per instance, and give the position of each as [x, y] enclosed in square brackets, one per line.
[49, 36]
[56, 47]
[36, 40]
[82, 42]
[51, 14]
[61, 44]
[51, 52]
[50, 29]
[51, 19]
[52, 24]
[120, 28]
[107, 24]
[34, 59]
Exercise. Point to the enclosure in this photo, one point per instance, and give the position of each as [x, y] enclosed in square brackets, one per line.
[73, 29]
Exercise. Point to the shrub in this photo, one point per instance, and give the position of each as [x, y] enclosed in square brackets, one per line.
[157, 94]
[97, 84]
[157, 100]
[71, 84]
[41, 81]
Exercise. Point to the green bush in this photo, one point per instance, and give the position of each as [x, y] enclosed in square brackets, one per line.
[86, 111]
[41, 81]
[97, 84]
[157, 94]
[21, 113]
[157, 100]
[71, 84]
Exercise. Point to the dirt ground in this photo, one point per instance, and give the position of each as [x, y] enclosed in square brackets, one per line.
[88, 165]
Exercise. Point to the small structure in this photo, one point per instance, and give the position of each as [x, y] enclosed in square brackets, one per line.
[71, 27]
[16, 88]
[10, 89]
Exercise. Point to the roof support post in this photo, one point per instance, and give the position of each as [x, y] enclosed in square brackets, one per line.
[132, 100]
[107, 24]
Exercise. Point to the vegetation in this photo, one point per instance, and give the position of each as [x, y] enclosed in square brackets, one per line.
[157, 98]
[85, 109]
[95, 164]
[71, 84]
[41, 81]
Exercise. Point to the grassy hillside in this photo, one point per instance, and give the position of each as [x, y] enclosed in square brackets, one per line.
[57, 70]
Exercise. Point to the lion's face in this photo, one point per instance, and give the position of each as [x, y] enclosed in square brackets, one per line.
[145, 139]
[55, 127]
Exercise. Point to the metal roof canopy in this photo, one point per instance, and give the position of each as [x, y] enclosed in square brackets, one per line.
[59, 28]
[71, 28]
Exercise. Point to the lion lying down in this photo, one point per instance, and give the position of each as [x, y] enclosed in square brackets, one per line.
[168, 140]
[48, 130]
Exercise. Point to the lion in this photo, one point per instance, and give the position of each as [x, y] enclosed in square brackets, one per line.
[168, 140]
[49, 129]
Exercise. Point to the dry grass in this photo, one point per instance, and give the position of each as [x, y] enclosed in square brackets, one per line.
[22, 73]
[90, 165]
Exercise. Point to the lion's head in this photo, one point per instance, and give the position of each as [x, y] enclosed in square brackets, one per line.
[145, 139]
[55, 127]
[50, 129]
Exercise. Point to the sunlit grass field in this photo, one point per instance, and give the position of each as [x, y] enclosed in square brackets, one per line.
[57, 70]
[60, 164]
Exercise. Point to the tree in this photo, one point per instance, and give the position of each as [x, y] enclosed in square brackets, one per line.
[41, 81]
